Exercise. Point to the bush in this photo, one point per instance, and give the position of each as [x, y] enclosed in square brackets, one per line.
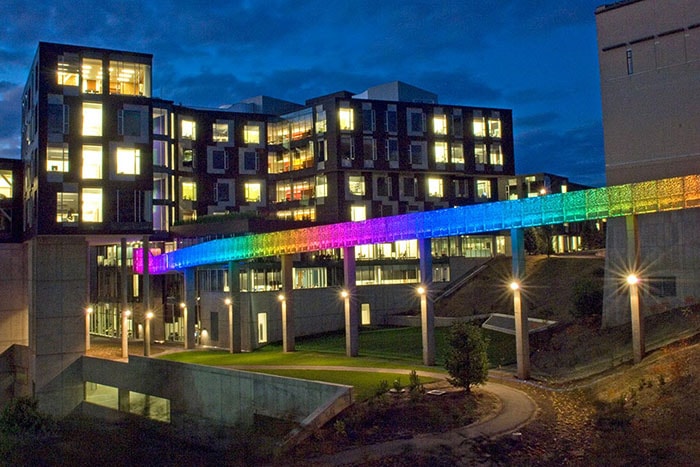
[21, 416]
[466, 360]
[588, 297]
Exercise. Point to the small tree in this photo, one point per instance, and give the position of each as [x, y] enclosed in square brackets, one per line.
[466, 360]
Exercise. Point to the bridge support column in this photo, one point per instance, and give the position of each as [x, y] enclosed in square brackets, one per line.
[637, 316]
[146, 298]
[190, 310]
[522, 328]
[233, 302]
[124, 301]
[287, 305]
[427, 312]
[352, 334]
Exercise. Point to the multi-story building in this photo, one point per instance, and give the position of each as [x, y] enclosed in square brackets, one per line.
[649, 54]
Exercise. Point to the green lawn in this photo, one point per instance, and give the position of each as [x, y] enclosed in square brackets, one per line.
[395, 348]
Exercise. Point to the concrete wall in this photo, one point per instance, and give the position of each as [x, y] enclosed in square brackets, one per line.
[57, 300]
[669, 247]
[14, 316]
[201, 396]
[15, 363]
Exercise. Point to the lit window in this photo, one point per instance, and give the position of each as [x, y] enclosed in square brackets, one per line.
[92, 119]
[346, 119]
[132, 79]
[67, 70]
[435, 187]
[57, 157]
[189, 191]
[251, 134]
[457, 153]
[92, 162]
[483, 189]
[480, 154]
[188, 158]
[321, 186]
[496, 154]
[128, 161]
[6, 183]
[67, 211]
[92, 76]
[495, 127]
[92, 205]
[356, 185]
[479, 126]
[321, 125]
[253, 192]
[220, 132]
[441, 152]
[440, 124]
[358, 213]
[188, 129]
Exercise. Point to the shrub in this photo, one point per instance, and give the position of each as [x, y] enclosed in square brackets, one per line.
[21, 416]
[588, 297]
[466, 360]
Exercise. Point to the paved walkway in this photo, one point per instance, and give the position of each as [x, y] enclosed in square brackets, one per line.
[516, 409]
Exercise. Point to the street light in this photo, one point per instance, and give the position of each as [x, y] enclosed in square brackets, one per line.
[147, 335]
[427, 321]
[351, 331]
[229, 305]
[637, 318]
[522, 334]
[88, 312]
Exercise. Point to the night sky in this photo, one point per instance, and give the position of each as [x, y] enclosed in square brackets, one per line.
[536, 57]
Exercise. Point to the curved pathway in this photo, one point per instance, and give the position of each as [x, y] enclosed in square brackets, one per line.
[516, 410]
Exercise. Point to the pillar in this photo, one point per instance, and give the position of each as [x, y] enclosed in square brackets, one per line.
[190, 304]
[234, 308]
[287, 305]
[146, 276]
[427, 313]
[350, 303]
[637, 316]
[124, 301]
[522, 328]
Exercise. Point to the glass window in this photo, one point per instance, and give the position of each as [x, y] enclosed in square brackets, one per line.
[160, 153]
[461, 188]
[219, 160]
[221, 192]
[441, 152]
[92, 162]
[57, 158]
[220, 132]
[416, 121]
[129, 122]
[321, 154]
[188, 129]
[132, 79]
[253, 192]
[92, 76]
[58, 118]
[417, 154]
[409, 186]
[188, 158]
[368, 119]
[128, 161]
[250, 161]
[457, 124]
[483, 189]
[251, 134]
[347, 147]
[321, 125]
[369, 149]
[358, 213]
[346, 119]
[6, 183]
[67, 70]
[160, 121]
[457, 153]
[440, 124]
[392, 149]
[435, 187]
[391, 119]
[92, 119]
[92, 205]
[321, 186]
[67, 211]
[189, 191]
[496, 154]
[495, 127]
[480, 153]
[479, 126]
[356, 185]
[383, 186]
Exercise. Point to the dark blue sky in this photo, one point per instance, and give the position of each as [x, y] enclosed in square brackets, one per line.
[537, 57]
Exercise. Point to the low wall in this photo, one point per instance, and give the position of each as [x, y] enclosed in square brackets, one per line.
[14, 373]
[202, 396]
[440, 322]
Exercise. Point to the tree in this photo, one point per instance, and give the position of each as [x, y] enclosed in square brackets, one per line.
[466, 360]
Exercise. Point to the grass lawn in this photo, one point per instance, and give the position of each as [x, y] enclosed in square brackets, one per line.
[395, 348]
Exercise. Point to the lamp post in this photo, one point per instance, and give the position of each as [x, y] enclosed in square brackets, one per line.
[125, 333]
[427, 327]
[147, 335]
[351, 331]
[88, 312]
[637, 319]
[522, 335]
[229, 305]
[287, 344]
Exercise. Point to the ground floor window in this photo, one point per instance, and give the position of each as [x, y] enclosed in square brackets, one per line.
[262, 328]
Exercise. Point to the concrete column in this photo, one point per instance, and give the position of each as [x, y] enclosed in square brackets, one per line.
[123, 400]
[235, 314]
[88, 307]
[287, 304]
[350, 303]
[633, 259]
[522, 328]
[427, 313]
[190, 304]
[146, 298]
[124, 300]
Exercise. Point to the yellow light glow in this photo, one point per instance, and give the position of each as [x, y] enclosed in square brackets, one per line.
[280, 297]
[149, 315]
[421, 290]
[514, 285]
[127, 313]
[227, 301]
[344, 294]
[89, 310]
[182, 305]
[632, 279]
